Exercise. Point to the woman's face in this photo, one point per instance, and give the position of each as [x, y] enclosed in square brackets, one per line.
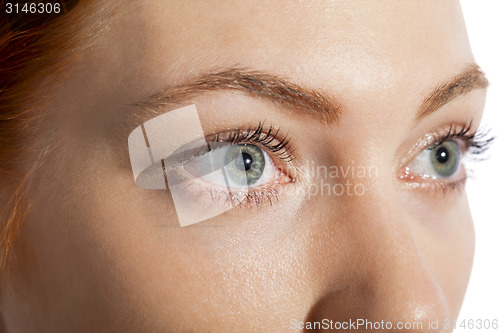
[359, 221]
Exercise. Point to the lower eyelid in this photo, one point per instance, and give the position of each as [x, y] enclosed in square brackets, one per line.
[446, 186]
[200, 191]
[254, 198]
[439, 184]
[205, 195]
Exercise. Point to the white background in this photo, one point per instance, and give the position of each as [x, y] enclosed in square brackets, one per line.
[482, 300]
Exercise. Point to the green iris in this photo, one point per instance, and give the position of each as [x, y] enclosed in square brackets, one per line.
[244, 164]
[445, 158]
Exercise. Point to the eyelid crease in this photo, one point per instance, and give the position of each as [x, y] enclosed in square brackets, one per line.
[464, 133]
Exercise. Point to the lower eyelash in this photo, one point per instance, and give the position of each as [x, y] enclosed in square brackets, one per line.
[445, 187]
[455, 186]
[245, 199]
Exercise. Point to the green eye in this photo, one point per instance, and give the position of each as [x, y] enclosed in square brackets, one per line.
[445, 158]
[437, 161]
[245, 164]
[238, 166]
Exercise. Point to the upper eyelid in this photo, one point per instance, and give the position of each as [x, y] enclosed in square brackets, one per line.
[179, 157]
[249, 136]
[434, 137]
[464, 132]
[454, 132]
[262, 136]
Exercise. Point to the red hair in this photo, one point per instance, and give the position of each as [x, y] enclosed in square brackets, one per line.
[35, 51]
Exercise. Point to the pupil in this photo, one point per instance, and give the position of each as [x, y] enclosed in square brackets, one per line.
[442, 155]
[244, 163]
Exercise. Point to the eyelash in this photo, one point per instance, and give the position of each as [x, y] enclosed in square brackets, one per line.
[476, 143]
[264, 138]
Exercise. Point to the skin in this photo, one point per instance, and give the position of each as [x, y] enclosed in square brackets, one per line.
[106, 255]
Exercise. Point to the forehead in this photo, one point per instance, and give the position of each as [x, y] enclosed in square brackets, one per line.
[351, 49]
[339, 36]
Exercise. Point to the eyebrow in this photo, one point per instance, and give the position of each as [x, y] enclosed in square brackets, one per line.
[304, 100]
[471, 78]
[271, 88]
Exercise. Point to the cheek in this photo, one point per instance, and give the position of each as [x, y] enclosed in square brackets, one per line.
[449, 252]
[89, 249]
[186, 275]
[122, 246]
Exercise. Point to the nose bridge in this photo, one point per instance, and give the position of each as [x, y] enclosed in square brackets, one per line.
[389, 279]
